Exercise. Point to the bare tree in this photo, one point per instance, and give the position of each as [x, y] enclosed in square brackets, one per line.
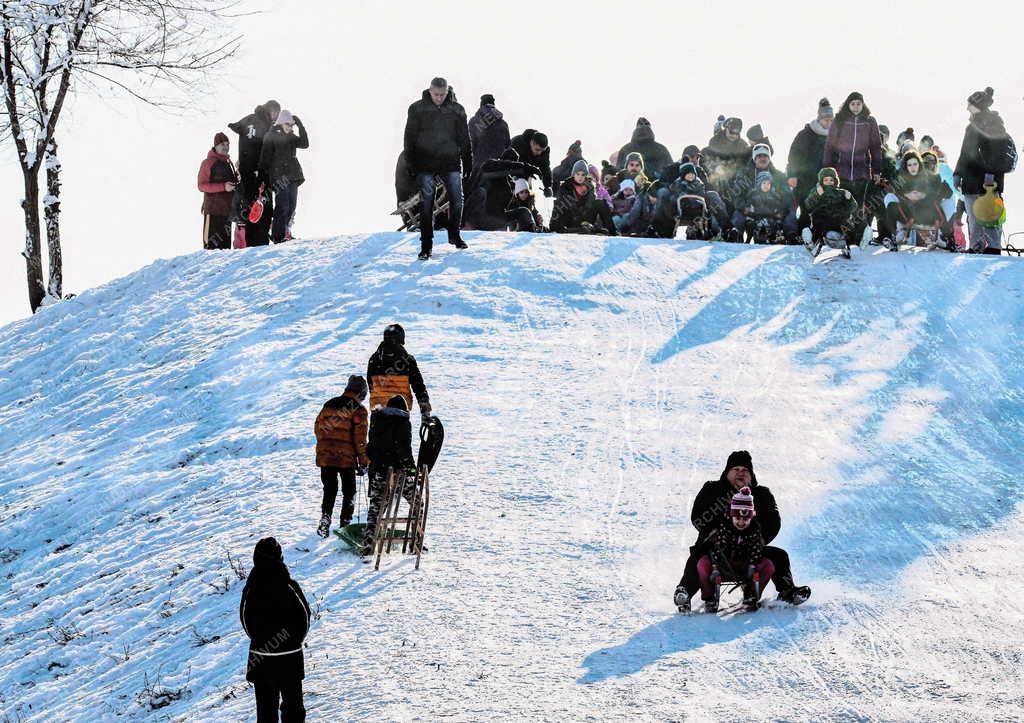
[152, 50]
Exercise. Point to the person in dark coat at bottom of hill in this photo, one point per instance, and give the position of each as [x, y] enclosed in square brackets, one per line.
[275, 615]
[711, 511]
[390, 447]
[251, 129]
[532, 147]
[217, 180]
[488, 132]
[281, 172]
[437, 143]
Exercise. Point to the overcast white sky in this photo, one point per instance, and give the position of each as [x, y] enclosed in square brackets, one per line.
[579, 70]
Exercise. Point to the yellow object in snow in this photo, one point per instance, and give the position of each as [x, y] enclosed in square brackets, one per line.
[989, 210]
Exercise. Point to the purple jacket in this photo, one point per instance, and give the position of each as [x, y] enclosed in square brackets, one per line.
[854, 149]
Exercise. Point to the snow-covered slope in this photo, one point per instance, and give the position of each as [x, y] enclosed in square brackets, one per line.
[158, 426]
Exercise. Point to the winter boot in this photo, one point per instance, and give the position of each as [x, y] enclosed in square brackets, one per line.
[426, 246]
[682, 599]
[456, 240]
[750, 601]
[711, 606]
[325, 526]
[795, 595]
[346, 515]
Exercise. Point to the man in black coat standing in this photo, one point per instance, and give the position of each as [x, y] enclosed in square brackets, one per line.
[532, 147]
[805, 157]
[251, 130]
[275, 615]
[711, 511]
[436, 141]
[488, 131]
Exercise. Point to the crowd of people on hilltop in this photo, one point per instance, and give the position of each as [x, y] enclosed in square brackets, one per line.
[841, 174]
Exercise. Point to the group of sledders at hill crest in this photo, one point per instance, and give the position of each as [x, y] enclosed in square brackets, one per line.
[841, 178]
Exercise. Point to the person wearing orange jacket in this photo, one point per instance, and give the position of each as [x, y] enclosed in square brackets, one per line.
[217, 181]
[341, 431]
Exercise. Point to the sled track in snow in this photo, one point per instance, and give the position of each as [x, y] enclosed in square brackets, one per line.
[589, 385]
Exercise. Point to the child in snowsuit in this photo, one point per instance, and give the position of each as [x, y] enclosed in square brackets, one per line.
[622, 202]
[737, 552]
[831, 209]
[275, 616]
[521, 212]
[340, 430]
[390, 447]
[765, 204]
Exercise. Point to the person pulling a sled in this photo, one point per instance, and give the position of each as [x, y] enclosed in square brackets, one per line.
[390, 447]
[736, 551]
[341, 450]
[712, 510]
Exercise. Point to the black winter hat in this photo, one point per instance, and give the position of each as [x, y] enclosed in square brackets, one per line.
[981, 99]
[828, 172]
[734, 124]
[825, 109]
[486, 99]
[267, 552]
[692, 152]
[739, 458]
[398, 402]
[394, 333]
[541, 138]
[905, 135]
[883, 130]
[357, 385]
[755, 133]
[642, 121]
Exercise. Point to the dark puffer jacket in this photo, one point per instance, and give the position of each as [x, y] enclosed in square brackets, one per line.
[711, 509]
[275, 615]
[656, 156]
[570, 209]
[392, 370]
[278, 164]
[390, 439]
[986, 128]
[741, 187]
[733, 550]
[489, 134]
[805, 157]
[251, 129]
[522, 145]
[830, 210]
[437, 136]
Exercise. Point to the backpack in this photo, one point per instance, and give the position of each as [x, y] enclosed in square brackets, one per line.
[999, 154]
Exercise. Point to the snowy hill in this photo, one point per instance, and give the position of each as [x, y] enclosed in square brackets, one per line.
[160, 425]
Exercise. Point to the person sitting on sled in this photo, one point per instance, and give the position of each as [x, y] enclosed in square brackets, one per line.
[711, 511]
[390, 447]
[736, 552]
[340, 430]
[831, 208]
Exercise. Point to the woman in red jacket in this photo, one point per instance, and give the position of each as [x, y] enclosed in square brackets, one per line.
[854, 149]
[217, 181]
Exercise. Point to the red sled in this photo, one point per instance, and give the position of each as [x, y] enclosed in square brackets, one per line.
[256, 212]
[239, 240]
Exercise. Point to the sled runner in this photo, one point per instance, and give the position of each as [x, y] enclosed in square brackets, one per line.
[409, 210]
[414, 521]
[764, 231]
[833, 239]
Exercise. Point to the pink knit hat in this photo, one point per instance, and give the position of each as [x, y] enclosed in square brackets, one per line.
[742, 504]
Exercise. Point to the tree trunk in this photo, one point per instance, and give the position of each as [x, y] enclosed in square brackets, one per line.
[51, 212]
[33, 249]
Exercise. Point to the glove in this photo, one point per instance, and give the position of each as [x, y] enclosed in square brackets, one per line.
[547, 192]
